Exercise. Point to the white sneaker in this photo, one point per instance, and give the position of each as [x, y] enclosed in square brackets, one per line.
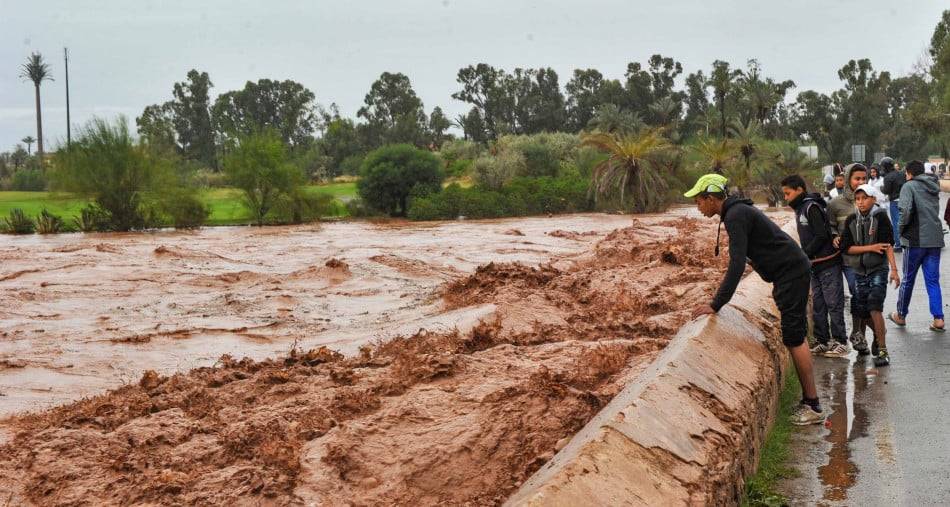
[819, 349]
[837, 350]
[805, 415]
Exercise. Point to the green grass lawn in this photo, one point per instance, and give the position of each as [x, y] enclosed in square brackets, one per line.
[227, 207]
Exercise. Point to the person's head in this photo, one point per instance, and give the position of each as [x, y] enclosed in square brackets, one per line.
[708, 193]
[914, 168]
[839, 181]
[874, 172]
[887, 164]
[792, 187]
[864, 198]
[837, 169]
[857, 176]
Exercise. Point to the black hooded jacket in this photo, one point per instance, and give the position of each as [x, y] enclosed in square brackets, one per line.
[774, 255]
[814, 230]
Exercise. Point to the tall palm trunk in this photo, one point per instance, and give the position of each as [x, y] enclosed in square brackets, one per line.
[39, 126]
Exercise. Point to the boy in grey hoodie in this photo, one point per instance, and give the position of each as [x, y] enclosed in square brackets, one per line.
[922, 239]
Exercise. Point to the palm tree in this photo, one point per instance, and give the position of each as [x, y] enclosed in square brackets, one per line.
[746, 139]
[722, 80]
[28, 140]
[610, 118]
[630, 167]
[789, 161]
[716, 154]
[36, 70]
[665, 110]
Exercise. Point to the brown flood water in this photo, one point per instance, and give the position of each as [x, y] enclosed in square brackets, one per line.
[83, 313]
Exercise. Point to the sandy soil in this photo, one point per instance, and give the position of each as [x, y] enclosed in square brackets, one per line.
[454, 414]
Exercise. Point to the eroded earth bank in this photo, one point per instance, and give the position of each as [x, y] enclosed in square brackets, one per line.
[354, 364]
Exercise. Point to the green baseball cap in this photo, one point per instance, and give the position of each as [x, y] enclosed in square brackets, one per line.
[708, 183]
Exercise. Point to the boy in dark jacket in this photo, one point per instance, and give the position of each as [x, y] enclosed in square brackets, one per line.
[827, 289]
[755, 239]
[869, 236]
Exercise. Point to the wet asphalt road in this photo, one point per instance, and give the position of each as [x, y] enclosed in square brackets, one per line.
[888, 441]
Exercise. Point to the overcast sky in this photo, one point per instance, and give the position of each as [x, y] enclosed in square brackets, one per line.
[127, 54]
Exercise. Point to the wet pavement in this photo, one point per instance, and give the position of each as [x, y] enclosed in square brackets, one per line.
[888, 441]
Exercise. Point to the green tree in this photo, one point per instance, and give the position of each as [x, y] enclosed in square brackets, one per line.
[747, 140]
[393, 112]
[123, 178]
[611, 119]
[287, 107]
[191, 118]
[156, 126]
[439, 125]
[340, 141]
[697, 103]
[391, 174]
[630, 168]
[37, 71]
[586, 92]
[259, 166]
[789, 160]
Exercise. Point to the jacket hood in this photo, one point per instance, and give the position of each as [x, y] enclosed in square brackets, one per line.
[848, 193]
[805, 197]
[731, 201]
[930, 182]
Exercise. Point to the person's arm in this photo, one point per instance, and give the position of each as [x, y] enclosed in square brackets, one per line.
[946, 214]
[886, 235]
[819, 230]
[738, 228]
[905, 205]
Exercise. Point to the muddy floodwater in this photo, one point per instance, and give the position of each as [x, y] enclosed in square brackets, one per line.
[82, 313]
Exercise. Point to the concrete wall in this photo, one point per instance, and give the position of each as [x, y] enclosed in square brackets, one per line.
[688, 429]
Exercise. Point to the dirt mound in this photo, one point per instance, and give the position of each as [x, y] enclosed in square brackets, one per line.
[513, 232]
[413, 267]
[333, 271]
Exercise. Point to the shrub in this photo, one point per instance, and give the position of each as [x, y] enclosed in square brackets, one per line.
[28, 180]
[540, 160]
[206, 178]
[48, 223]
[91, 219]
[391, 174]
[458, 168]
[351, 165]
[522, 196]
[17, 223]
[358, 208]
[185, 209]
[300, 207]
[459, 149]
[493, 172]
[104, 162]
[258, 166]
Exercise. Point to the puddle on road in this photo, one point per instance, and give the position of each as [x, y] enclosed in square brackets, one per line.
[849, 421]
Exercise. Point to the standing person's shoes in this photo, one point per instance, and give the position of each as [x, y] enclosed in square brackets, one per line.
[860, 344]
[820, 348]
[805, 415]
[882, 358]
[837, 349]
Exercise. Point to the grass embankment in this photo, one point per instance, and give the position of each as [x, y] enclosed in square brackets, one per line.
[227, 207]
[760, 489]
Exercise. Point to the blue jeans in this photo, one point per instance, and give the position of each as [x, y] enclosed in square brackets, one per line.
[848, 273]
[895, 221]
[914, 259]
[872, 288]
[827, 296]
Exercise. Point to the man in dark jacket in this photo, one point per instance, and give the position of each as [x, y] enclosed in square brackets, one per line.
[777, 259]
[839, 209]
[922, 238]
[893, 182]
[827, 290]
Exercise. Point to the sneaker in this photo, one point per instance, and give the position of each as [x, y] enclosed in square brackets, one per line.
[882, 358]
[860, 344]
[805, 415]
[820, 348]
[837, 350]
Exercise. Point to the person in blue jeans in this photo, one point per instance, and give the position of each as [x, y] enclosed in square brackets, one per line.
[893, 181]
[922, 238]
[868, 236]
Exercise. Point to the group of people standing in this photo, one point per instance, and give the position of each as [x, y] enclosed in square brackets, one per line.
[848, 239]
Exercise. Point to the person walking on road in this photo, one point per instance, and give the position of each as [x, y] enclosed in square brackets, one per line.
[922, 238]
[891, 187]
[839, 209]
[777, 259]
[827, 289]
[868, 235]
